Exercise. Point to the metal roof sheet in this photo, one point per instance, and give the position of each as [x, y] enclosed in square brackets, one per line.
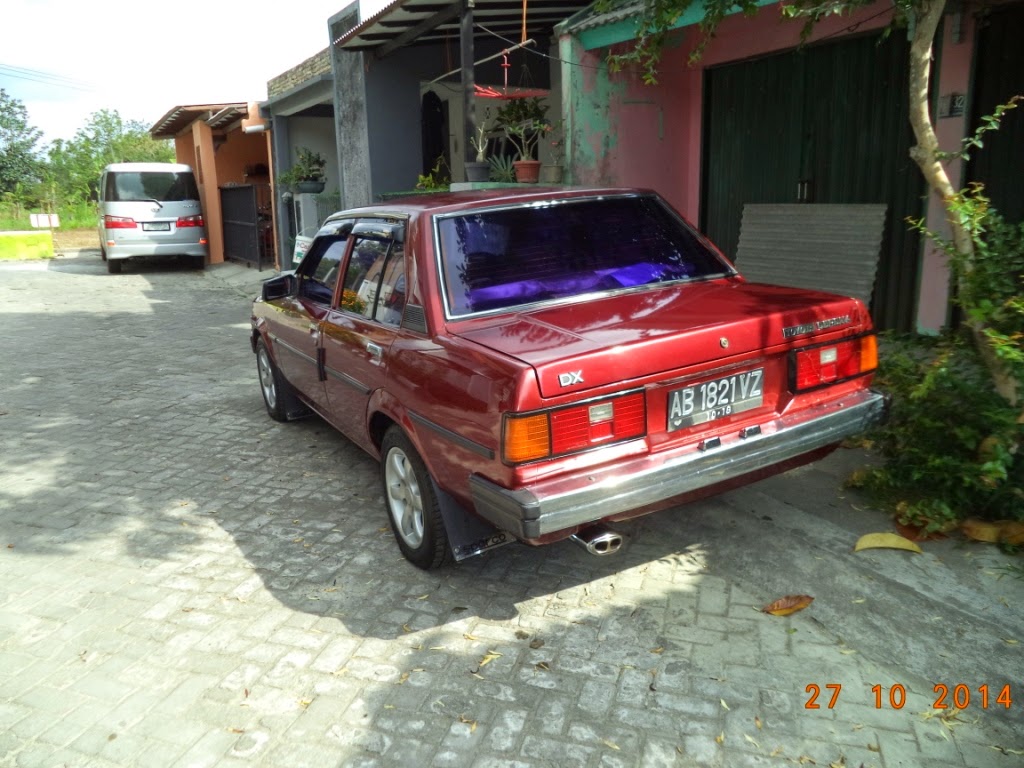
[827, 247]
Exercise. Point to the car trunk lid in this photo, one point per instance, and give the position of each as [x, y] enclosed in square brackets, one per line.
[624, 338]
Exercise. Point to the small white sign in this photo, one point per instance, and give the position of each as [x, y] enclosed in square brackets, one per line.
[44, 220]
[301, 246]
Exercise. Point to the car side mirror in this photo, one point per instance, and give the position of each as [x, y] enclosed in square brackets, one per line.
[280, 286]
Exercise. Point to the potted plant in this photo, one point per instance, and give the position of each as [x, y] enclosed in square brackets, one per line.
[307, 174]
[479, 169]
[523, 123]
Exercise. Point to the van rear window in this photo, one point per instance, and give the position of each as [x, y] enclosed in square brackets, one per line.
[163, 186]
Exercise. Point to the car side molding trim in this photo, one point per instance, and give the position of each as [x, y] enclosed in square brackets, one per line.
[277, 340]
[548, 507]
[344, 378]
[464, 442]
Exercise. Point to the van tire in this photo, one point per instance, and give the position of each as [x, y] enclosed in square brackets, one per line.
[114, 266]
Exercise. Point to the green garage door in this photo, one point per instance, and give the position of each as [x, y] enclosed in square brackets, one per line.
[825, 124]
[1000, 75]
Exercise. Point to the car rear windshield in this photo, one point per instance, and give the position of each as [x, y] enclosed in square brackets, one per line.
[509, 257]
[163, 186]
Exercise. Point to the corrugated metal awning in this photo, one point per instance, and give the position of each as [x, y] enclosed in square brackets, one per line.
[215, 115]
[423, 22]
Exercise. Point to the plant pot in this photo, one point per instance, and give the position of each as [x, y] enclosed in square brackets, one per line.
[551, 174]
[310, 186]
[527, 171]
[478, 171]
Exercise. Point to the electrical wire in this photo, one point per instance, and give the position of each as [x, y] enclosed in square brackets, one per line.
[46, 78]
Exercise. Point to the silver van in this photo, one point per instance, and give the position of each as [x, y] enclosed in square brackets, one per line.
[150, 209]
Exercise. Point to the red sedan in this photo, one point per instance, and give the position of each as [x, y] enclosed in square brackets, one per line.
[535, 365]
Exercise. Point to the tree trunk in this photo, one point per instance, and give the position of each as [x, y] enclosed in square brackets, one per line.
[926, 23]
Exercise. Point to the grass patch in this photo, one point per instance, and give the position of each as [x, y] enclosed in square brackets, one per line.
[26, 245]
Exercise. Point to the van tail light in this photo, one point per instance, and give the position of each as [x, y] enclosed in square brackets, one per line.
[190, 221]
[574, 428]
[824, 364]
[119, 222]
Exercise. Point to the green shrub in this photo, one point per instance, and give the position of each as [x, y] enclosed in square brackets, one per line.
[950, 445]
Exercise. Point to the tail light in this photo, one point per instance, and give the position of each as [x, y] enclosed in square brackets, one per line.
[574, 428]
[119, 222]
[190, 221]
[824, 364]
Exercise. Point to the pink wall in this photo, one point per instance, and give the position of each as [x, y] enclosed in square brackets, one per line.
[631, 134]
[953, 76]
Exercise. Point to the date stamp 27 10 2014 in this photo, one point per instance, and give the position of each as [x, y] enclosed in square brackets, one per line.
[959, 696]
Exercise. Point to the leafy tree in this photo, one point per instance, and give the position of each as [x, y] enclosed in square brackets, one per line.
[657, 18]
[75, 165]
[19, 164]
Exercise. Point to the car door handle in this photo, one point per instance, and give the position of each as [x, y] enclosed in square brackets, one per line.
[375, 350]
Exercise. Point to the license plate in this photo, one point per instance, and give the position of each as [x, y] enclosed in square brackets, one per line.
[714, 399]
[156, 226]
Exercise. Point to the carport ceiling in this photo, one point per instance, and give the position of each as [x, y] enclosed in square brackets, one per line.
[422, 22]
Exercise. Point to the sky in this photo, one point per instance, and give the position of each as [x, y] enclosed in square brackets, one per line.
[66, 59]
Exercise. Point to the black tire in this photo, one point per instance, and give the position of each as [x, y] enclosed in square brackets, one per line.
[103, 252]
[198, 262]
[114, 266]
[278, 395]
[413, 508]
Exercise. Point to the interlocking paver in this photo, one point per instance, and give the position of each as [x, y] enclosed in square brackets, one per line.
[184, 582]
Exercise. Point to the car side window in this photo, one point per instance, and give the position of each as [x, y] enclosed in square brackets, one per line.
[391, 296]
[320, 267]
[362, 277]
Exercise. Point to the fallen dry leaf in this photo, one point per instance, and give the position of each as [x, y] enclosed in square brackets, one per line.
[917, 533]
[724, 705]
[981, 530]
[471, 723]
[491, 656]
[1013, 533]
[535, 644]
[1007, 750]
[610, 744]
[720, 738]
[787, 605]
[885, 541]
[757, 722]
[748, 738]
[659, 649]
[470, 637]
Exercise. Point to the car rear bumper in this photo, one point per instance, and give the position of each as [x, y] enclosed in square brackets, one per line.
[571, 501]
[128, 250]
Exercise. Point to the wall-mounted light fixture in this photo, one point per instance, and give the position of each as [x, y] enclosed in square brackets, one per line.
[255, 128]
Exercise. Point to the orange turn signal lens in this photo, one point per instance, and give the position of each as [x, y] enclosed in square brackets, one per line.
[527, 438]
[868, 353]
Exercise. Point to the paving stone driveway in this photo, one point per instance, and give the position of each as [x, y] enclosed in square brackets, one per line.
[184, 582]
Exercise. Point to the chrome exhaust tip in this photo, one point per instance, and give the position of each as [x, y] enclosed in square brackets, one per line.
[598, 540]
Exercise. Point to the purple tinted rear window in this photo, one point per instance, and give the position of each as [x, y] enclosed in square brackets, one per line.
[509, 257]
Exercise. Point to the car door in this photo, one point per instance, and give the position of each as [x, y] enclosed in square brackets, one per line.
[358, 332]
[297, 327]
